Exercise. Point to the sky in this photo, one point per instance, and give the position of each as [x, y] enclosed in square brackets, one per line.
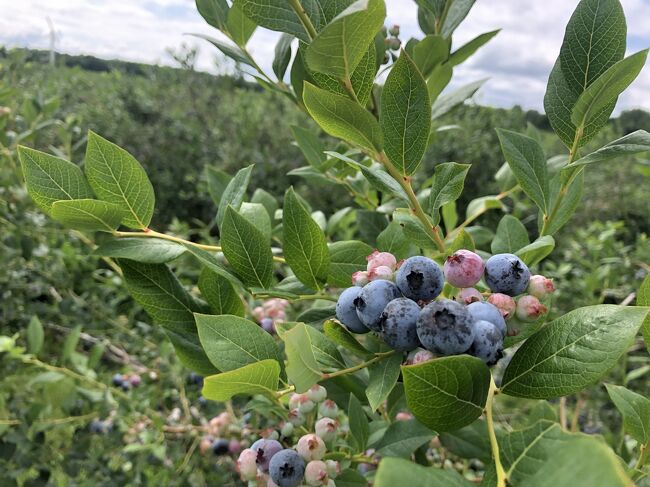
[517, 61]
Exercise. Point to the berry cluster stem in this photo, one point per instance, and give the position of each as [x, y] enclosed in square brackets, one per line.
[501, 473]
[378, 357]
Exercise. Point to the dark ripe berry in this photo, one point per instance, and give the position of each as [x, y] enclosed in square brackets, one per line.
[488, 342]
[507, 274]
[398, 324]
[97, 426]
[287, 468]
[445, 327]
[419, 279]
[220, 447]
[118, 380]
[346, 311]
[488, 312]
[372, 300]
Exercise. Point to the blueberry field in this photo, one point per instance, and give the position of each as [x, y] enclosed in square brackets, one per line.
[342, 270]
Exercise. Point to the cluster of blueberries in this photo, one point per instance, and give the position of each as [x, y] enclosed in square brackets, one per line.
[398, 301]
[126, 381]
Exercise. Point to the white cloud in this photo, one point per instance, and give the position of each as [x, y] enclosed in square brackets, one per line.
[517, 60]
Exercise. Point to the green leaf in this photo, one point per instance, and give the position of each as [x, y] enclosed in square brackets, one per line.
[310, 145]
[572, 352]
[340, 46]
[437, 81]
[594, 41]
[147, 250]
[350, 478]
[35, 335]
[257, 378]
[446, 103]
[116, 177]
[234, 193]
[528, 163]
[239, 26]
[302, 368]
[447, 186]
[278, 15]
[161, 295]
[447, 393]
[402, 438]
[627, 145]
[230, 342]
[643, 295]
[70, 343]
[220, 294]
[510, 237]
[232, 51]
[209, 260]
[339, 334]
[257, 216]
[346, 257]
[282, 56]
[457, 12]
[267, 200]
[343, 118]
[405, 115]
[214, 12]
[88, 215]
[247, 250]
[358, 421]
[463, 240]
[383, 377]
[317, 315]
[536, 251]
[305, 247]
[569, 203]
[449, 215]
[398, 471]
[469, 442]
[635, 409]
[461, 54]
[481, 205]
[430, 52]
[49, 179]
[604, 90]
[393, 240]
[324, 349]
[217, 182]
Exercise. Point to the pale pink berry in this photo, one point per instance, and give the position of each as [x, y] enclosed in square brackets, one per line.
[234, 447]
[464, 268]
[381, 259]
[317, 393]
[403, 416]
[360, 278]
[296, 418]
[381, 272]
[333, 468]
[328, 409]
[206, 444]
[326, 428]
[422, 356]
[294, 400]
[258, 313]
[316, 473]
[504, 303]
[540, 286]
[530, 309]
[247, 464]
[311, 447]
[469, 295]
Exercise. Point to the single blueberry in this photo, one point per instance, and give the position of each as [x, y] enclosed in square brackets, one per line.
[97, 426]
[287, 468]
[346, 311]
[118, 380]
[420, 278]
[506, 274]
[221, 447]
[398, 324]
[488, 342]
[445, 327]
[266, 450]
[195, 379]
[488, 312]
[372, 300]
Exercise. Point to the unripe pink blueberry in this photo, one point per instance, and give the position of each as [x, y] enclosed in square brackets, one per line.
[311, 447]
[326, 428]
[316, 473]
[234, 447]
[360, 278]
[540, 286]
[296, 418]
[206, 444]
[469, 295]
[381, 259]
[463, 268]
[504, 303]
[381, 272]
[403, 416]
[258, 313]
[333, 468]
[247, 464]
[530, 309]
[328, 409]
[317, 393]
[422, 356]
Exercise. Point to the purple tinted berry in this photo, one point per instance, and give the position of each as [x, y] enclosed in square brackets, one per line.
[346, 311]
[234, 447]
[372, 300]
[266, 450]
[445, 327]
[488, 342]
[469, 295]
[220, 447]
[507, 274]
[488, 312]
[287, 468]
[268, 325]
[463, 268]
[398, 324]
[419, 279]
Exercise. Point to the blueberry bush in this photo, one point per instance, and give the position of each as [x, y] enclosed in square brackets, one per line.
[368, 335]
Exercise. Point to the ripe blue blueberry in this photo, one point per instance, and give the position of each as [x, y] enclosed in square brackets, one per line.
[97, 426]
[420, 278]
[507, 274]
[445, 327]
[398, 324]
[488, 342]
[488, 312]
[346, 311]
[266, 450]
[287, 468]
[221, 447]
[372, 300]
[118, 380]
